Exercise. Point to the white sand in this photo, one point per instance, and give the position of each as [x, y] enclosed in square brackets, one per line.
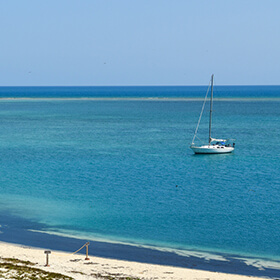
[77, 267]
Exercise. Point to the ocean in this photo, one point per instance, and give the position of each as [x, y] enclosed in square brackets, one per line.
[91, 163]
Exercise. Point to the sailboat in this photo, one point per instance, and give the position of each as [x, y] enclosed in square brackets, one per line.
[214, 146]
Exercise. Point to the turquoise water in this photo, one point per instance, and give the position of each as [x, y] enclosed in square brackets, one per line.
[123, 171]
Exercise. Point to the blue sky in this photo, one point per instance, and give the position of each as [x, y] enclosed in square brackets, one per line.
[133, 42]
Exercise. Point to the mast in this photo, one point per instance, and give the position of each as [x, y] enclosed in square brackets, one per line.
[211, 107]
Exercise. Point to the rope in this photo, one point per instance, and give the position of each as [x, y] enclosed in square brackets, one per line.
[199, 139]
[74, 252]
[80, 248]
[201, 114]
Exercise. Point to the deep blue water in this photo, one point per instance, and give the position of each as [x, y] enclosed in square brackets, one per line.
[123, 170]
[141, 91]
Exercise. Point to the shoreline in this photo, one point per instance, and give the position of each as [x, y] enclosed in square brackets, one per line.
[77, 267]
[207, 254]
[226, 264]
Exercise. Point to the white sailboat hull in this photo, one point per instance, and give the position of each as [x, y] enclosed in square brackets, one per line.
[212, 149]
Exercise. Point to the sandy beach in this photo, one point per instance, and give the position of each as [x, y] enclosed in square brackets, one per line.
[77, 267]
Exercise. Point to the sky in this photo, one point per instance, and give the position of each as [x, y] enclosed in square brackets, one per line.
[139, 43]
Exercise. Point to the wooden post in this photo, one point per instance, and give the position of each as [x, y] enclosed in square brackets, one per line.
[47, 257]
[87, 258]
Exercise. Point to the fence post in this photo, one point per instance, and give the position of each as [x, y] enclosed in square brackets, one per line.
[87, 258]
